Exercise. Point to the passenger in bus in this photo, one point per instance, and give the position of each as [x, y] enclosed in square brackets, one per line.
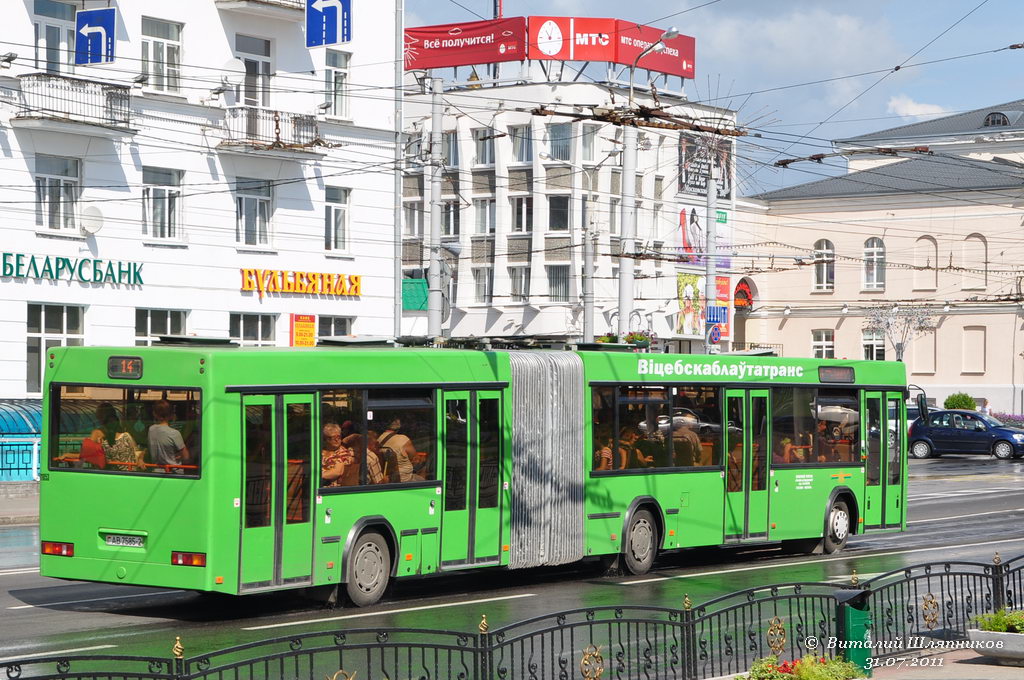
[823, 450]
[650, 446]
[403, 449]
[338, 466]
[109, 422]
[92, 453]
[686, 446]
[374, 470]
[782, 452]
[166, 445]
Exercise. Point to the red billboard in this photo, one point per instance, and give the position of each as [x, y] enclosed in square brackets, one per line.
[676, 59]
[571, 39]
[477, 42]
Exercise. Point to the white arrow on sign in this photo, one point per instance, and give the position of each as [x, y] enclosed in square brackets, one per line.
[319, 5]
[87, 31]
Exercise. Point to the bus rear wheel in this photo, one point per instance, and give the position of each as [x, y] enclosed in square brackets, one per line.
[368, 569]
[837, 530]
[641, 543]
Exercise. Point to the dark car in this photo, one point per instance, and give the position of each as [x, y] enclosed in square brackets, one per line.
[957, 431]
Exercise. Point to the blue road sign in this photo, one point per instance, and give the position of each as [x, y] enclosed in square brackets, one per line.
[716, 314]
[715, 335]
[95, 35]
[328, 22]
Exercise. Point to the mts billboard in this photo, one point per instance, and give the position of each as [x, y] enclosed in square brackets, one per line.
[546, 38]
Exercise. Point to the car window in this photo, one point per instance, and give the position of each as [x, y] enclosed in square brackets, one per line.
[939, 420]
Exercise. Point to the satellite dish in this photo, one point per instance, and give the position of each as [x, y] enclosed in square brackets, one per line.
[233, 71]
[91, 220]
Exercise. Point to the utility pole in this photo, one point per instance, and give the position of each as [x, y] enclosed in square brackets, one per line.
[434, 298]
[589, 236]
[399, 163]
[628, 243]
[711, 259]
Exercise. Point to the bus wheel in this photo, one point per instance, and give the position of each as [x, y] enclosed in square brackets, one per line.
[368, 569]
[838, 530]
[641, 543]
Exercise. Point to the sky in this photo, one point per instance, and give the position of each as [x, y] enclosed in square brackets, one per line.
[747, 46]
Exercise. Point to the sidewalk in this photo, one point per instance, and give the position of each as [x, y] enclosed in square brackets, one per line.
[19, 503]
[962, 664]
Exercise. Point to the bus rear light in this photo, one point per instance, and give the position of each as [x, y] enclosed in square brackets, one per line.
[55, 548]
[188, 559]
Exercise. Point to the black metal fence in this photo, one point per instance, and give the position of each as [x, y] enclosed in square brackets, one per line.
[909, 607]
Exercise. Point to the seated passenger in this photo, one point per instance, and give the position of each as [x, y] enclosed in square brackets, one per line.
[166, 445]
[338, 465]
[92, 451]
[402, 447]
[686, 446]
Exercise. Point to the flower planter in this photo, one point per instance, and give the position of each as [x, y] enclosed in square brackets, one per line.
[1006, 649]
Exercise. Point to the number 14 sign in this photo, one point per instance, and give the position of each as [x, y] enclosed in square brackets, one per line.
[328, 22]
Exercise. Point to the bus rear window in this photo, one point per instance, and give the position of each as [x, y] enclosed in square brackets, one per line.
[139, 430]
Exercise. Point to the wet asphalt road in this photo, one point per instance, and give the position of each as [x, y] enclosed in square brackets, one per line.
[961, 508]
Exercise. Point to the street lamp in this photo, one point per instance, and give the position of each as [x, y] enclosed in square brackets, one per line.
[653, 47]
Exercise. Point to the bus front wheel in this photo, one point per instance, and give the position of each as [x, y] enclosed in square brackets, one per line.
[368, 569]
[837, 531]
[641, 543]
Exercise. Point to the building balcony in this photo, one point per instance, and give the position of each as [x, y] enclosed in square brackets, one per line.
[63, 104]
[284, 10]
[251, 129]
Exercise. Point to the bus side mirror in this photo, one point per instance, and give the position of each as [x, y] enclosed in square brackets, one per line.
[922, 405]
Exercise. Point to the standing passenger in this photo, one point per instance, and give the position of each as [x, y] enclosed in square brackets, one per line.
[166, 446]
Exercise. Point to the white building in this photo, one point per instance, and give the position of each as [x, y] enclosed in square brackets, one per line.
[217, 178]
[521, 190]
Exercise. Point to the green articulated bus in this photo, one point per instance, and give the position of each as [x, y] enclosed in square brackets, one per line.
[242, 470]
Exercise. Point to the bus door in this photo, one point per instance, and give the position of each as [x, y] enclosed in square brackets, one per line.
[884, 436]
[277, 531]
[746, 473]
[471, 513]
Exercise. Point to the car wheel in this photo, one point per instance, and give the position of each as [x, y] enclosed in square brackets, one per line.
[921, 449]
[368, 569]
[641, 543]
[837, 530]
[1003, 450]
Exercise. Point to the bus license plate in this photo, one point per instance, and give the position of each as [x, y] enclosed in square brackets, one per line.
[128, 541]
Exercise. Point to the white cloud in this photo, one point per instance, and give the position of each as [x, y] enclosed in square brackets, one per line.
[902, 105]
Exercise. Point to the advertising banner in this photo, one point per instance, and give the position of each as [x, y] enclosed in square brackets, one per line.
[695, 166]
[571, 39]
[693, 228]
[677, 59]
[303, 330]
[476, 42]
[694, 308]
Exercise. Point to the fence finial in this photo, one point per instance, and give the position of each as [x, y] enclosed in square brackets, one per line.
[687, 602]
[855, 580]
[178, 650]
[592, 663]
[776, 635]
[997, 559]
[483, 624]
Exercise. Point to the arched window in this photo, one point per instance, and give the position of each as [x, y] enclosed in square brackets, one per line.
[926, 260]
[824, 265]
[995, 119]
[975, 262]
[874, 264]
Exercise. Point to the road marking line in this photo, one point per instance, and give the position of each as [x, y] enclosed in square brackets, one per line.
[23, 570]
[56, 652]
[973, 514]
[97, 599]
[390, 611]
[846, 556]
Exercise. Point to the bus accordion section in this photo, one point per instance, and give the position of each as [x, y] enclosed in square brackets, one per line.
[248, 470]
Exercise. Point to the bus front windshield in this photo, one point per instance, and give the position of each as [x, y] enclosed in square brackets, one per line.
[121, 430]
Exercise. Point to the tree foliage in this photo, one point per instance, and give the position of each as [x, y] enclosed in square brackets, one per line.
[900, 323]
[959, 400]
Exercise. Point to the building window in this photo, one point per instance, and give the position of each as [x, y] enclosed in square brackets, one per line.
[824, 265]
[975, 263]
[253, 330]
[996, 119]
[54, 35]
[484, 208]
[823, 345]
[336, 236]
[588, 139]
[519, 284]
[522, 214]
[252, 213]
[57, 181]
[926, 259]
[483, 282]
[873, 343]
[874, 264]
[613, 215]
[558, 282]
[161, 54]
[558, 213]
[560, 141]
[336, 83]
[333, 326]
[450, 148]
[413, 219]
[150, 324]
[255, 54]
[656, 220]
[522, 143]
[483, 140]
[50, 326]
[161, 200]
[450, 212]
